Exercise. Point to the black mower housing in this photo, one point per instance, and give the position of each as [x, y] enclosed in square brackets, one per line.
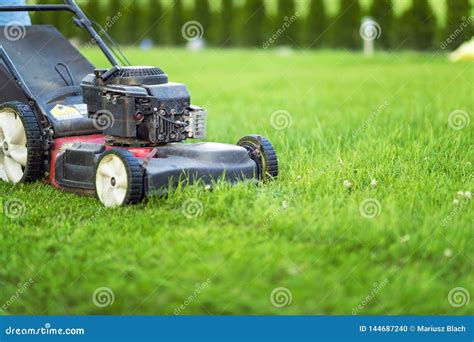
[173, 164]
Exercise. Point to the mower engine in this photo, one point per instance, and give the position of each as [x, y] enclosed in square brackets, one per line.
[137, 106]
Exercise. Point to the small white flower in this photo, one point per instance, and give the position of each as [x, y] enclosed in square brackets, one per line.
[448, 253]
[466, 195]
[284, 204]
[405, 238]
[456, 201]
[294, 270]
[207, 187]
[298, 178]
[347, 184]
[373, 183]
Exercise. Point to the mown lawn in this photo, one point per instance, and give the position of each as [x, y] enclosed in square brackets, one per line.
[345, 118]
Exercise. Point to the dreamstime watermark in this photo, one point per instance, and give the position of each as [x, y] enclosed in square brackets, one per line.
[287, 22]
[375, 290]
[20, 290]
[92, 218]
[46, 330]
[465, 23]
[281, 119]
[192, 30]
[370, 208]
[197, 291]
[13, 208]
[192, 208]
[284, 206]
[103, 119]
[454, 212]
[379, 110]
[14, 31]
[103, 296]
[281, 297]
[458, 297]
[370, 30]
[274, 214]
[109, 23]
[458, 120]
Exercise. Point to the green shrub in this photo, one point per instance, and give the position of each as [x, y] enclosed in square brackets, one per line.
[285, 23]
[425, 25]
[155, 20]
[382, 12]
[347, 25]
[253, 23]
[459, 26]
[202, 14]
[177, 22]
[226, 23]
[316, 24]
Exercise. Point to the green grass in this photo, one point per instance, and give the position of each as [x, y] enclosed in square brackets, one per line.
[353, 119]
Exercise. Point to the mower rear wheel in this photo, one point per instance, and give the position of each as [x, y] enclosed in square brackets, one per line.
[21, 151]
[262, 152]
[119, 178]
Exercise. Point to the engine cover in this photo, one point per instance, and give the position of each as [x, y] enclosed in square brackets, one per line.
[138, 106]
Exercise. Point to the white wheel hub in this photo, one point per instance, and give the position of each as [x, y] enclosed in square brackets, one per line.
[112, 181]
[13, 147]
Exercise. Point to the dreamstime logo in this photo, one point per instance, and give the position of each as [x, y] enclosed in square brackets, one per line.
[465, 23]
[14, 208]
[109, 23]
[197, 291]
[370, 30]
[379, 110]
[281, 297]
[192, 30]
[103, 119]
[459, 120]
[281, 119]
[103, 296]
[458, 297]
[22, 287]
[370, 208]
[375, 290]
[459, 206]
[192, 208]
[287, 22]
[14, 31]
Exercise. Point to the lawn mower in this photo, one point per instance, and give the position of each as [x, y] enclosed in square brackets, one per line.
[117, 133]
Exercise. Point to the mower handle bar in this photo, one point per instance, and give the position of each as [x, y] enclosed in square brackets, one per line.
[69, 6]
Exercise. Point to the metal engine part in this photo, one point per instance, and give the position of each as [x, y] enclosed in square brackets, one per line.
[139, 105]
[160, 127]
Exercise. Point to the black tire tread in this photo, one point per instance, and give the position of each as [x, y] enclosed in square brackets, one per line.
[34, 165]
[267, 151]
[135, 191]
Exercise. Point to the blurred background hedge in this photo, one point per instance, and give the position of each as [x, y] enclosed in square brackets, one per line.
[405, 24]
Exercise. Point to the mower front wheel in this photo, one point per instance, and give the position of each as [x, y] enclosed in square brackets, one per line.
[262, 152]
[119, 178]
